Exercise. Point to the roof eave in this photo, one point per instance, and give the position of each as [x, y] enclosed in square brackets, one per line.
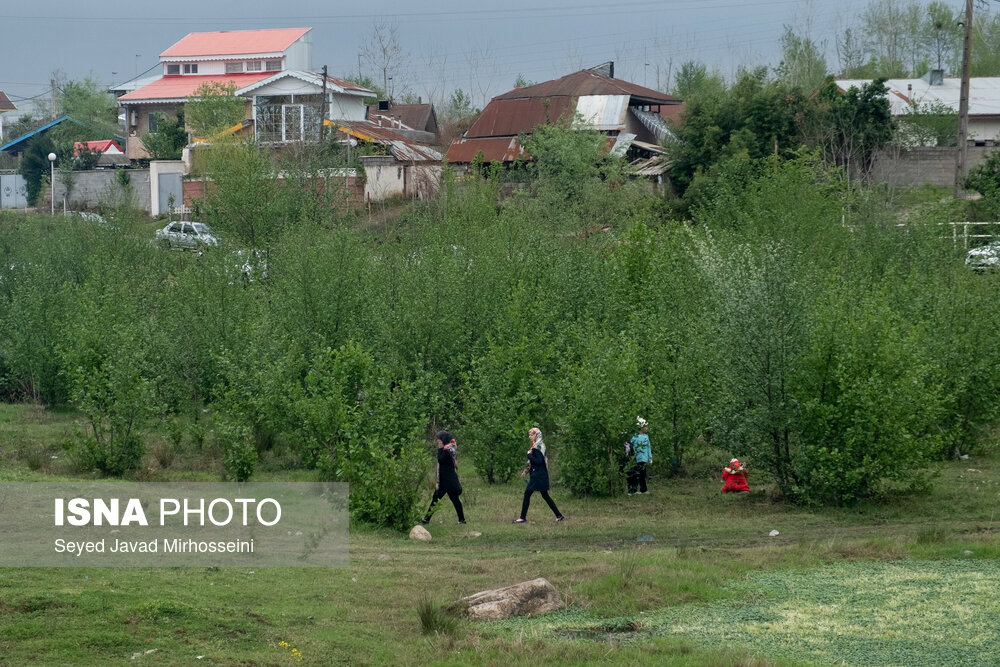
[219, 56]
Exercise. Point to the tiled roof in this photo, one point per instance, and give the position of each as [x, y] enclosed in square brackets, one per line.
[234, 42]
[180, 86]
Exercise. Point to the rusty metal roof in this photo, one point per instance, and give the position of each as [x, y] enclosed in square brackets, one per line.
[588, 82]
[402, 148]
[414, 116]
[494, 149]
[5, 103]
[512, 117]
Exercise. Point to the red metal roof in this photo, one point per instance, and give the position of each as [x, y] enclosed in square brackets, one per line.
[176, 86]
[5, 103]
[588, 82]
[234, 42]
[506, 117]
[494, 149]
[95, 146]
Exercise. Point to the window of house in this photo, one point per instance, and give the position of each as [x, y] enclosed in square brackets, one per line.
[234, 68]
[254, 65]
[151, 122]
[191, 68]
[173, 69]
[287, 118]
[273, 66]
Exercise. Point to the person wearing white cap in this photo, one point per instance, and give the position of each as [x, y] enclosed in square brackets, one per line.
[643, 457]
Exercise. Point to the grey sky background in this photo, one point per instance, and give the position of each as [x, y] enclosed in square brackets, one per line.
[478, 47]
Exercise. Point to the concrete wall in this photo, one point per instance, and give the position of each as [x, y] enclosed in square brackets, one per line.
[384, 177]
[90, 188]
[917, 166]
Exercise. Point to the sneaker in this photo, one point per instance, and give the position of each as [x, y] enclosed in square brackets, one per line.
[462, 522]
[629, 493]
[519, 521]
[560, 518]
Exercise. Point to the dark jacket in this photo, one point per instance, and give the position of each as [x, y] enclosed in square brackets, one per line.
[447, 475]
[539, 474]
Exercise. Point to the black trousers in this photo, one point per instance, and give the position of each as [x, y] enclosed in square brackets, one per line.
[637, 478]
[453, 495]
[545, 497]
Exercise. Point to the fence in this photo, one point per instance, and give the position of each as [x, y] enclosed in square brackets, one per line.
[965, 230]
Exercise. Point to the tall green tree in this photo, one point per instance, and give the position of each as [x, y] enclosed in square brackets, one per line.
[802, 66]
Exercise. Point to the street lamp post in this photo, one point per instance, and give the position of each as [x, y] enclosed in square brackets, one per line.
[52, 181]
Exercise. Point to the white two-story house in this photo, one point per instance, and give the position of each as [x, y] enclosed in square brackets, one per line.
[270, 69]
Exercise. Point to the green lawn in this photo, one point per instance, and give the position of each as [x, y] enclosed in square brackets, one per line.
[908, 581]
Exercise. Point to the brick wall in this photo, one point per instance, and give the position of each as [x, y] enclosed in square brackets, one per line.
[934, 165]
[195, 189]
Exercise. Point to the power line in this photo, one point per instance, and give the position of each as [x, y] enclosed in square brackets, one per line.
[487, 14]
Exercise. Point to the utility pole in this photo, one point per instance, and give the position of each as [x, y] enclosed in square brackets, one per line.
[961, 155]
[322, 113]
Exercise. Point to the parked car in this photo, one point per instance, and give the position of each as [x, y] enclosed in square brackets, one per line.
[186, 234]
[984, 257]
[88, 216]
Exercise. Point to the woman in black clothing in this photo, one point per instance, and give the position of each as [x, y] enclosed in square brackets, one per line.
[447, 477]
[538, 480]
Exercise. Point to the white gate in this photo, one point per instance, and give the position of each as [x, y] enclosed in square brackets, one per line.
[13, 192]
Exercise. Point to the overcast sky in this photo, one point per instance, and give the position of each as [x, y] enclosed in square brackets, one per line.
[479, 47]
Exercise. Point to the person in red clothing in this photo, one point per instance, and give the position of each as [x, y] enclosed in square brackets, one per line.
[734, 478]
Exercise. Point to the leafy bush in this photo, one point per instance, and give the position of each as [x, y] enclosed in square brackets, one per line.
[603, 393]
[873, 407]
[240, 454]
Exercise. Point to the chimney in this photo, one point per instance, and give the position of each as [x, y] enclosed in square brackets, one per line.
[934, 77]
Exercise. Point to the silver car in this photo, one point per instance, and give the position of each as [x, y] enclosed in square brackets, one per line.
[186, 234]
[984, 257]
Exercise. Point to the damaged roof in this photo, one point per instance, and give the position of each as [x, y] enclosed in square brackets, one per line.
[586, 98]
[402, 148]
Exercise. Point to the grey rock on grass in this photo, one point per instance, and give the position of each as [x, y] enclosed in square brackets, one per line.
[529, 598]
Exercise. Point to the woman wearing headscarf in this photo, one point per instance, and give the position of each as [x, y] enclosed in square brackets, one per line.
[447, 476]
[538, 476]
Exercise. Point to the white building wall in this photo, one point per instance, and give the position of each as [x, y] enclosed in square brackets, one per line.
[984, 129]
[347, 107]
[384, 178]
[299, 54]
[288, 85]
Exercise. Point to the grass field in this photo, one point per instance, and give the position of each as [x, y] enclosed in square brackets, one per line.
[681, 576]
